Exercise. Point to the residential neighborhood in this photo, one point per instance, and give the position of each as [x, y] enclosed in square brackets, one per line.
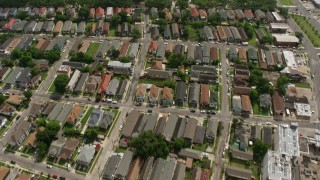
[162, 90]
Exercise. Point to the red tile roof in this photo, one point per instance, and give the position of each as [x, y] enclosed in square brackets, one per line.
[99, 11]
[194, 12]
[42, 10]
[92, 12]
[153, 46]
[246, 103]
[9, 24]
[204, 98]
[105, 80]
[117, 10]
[124, 49]
[278, 103]
[248, 13]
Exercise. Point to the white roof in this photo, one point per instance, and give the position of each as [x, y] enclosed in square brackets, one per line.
[279, 26]
[285, 38]
[286, 141]
[290, 59]
[277, 16]
[73, 79]
[119, 64]
[302, 109]
[109, 11]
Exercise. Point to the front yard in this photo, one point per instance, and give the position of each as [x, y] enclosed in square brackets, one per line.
[93, 48]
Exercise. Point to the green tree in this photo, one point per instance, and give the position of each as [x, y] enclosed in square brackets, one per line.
[178, 144]
[42, 150]
[220, 128]
[61, 82]
[176, 60]
[2, 99]
[8, 62]
[135, 34]
[41, 122]
[266, 40]
[123, 17]
[91, 134]
[284, 12]
[35, 71]
[16, 54]
[259, 150]
[124, 59]
[254, 96]
[148, 144]
[299, 35]
[158, 4]
[71, 132]
[84, 13]
[22, 15]
[215, 19]
[182, 4]
[114, 21]
[82, 57]
[281, 82]
[52, 56]
[114, 54]
[27, 94]
[26, 60]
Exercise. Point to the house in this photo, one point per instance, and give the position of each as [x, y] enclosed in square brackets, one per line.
[260, 15]
[42, 11]
[238, 173]
[155, 32]
[154, 96]
[175, 30]
[205, 95]
[13, 76]
[198, 54]
[179, 172]
[278, 18]
[167, 32]
[106, 120]
[180, 93]
[100, 13]
[86, 155]
[50, 106]
[252, 55]
[239, 14]
[246, 105]
[73, 80]
[203, 15]
[240, 90]
[7, 110]
[124, 165]
[161, 51]
[168, 15]
[12, 11]
[159, 74]
[20, 133]
[111, 166]
[167, 97]
[231, 16]
[236, 104]
[141, 93]
[191, 52]
[64, 113]
[191, 153]
[66, 27]
[22, 176]
[211, 130]
[109, 12]
[190, 129]
[249, 15]
[58, 27]
[68, 149]
[55, 111]
[154, 13]
[131, 120]
[194, 90]
[194, 14]
[74, 114]
[278, 104]
[36, 109]
[81, 28]
[153, 47]
[285, 40]
[81, 83]
[242, 54]
[170, 127]
[4, 14]
[56, 147]
[208, 32]
[121, 89]
[228, 33]
[4, 172]
[135, 167]
[91, 84]
[221, 33]
[133, 51]
[199, 135]
[157, 168]
[105, 80]
[214, 54]
[236, 35]
[126, 29]
[4, 71]
[265, 101]
[51, 12]
[15, 99]
[95, 117]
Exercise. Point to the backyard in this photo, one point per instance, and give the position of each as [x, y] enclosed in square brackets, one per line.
[286, 2]
[192, 33]
[86, 117]
[52, 88]
[93, 48]
[308, 29]
[259, 111]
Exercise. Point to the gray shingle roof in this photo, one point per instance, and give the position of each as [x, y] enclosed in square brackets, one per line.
[151, 120]
[180, 91]
[113, 87]
[130, 124]
[194, 93]
[211, 131]
[199, 134]
[122, 88]
[106, 119]
[180, 171]
[157, 169]
[80, 84]
[95, 117]
[86, 154]
[191, 153]
[14, 75]
[55, 112]
[180, 127]
[170, 127]
[168, 169]
[67, 26]
[64, 113]
[134, 50]
[111, 167]
[190, 129]
[124, 165]
[146, 169]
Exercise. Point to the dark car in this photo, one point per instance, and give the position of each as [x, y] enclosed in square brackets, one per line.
[149, 110]
[12, 162]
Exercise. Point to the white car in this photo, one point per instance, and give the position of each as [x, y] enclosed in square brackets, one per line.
[268, 123]
[4, 134]
[203, 111]
[49, 166]
[121, 127]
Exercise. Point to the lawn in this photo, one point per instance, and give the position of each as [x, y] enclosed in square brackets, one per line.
[93, 48]
[86, 117]
[308, 29]
[52, 88]
[253, 40]
[112, 32]
[259, 111]
[302, 85]
[286, 2]
[192, 33]
[160, 83]
[200, 147]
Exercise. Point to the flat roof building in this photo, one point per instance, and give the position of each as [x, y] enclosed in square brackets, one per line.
[287, 140]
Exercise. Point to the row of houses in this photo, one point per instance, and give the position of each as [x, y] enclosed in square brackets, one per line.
[8, 173]
[171, 127]
[127, 167]
[20, 78]
[15, 43]
[60, 27]
[107, 13]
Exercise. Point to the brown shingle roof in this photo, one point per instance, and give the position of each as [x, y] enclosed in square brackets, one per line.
[40, 43]
[278, 103]
[154, 91]
[246, 103]
[124, 49]
[32, 138]
[74, 114]
[58, 27]
[157, 65]
[204, 97]
[243, 54]
[69, 147]
[15, 99]
[167, 93]
[239, 90]
[23, 177]
[194, 12]
[135, 169]
[141, 90]
[214, 54]
[4, 172]
[202, 13]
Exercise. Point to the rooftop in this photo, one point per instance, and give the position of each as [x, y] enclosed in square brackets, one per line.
[286, 140]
